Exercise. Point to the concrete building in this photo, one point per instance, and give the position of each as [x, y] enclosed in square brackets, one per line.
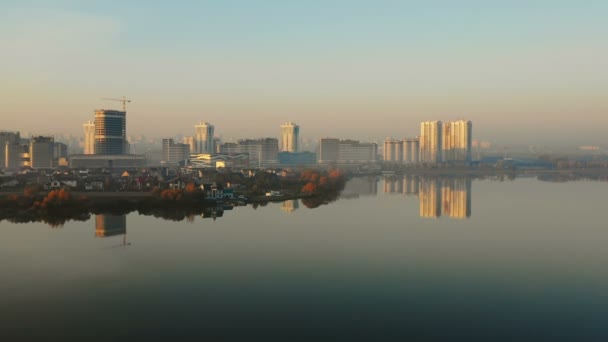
[430, 142]
[60, 150]
[457, 141]
[411, 151]
[328, 150]
[189, 140]
[89, 137]
[393, 151]
[7, 142]
[204, 138]
[175, 153]
[111, 132]
[290, 135]
[262, 152]
[41, 152]
[346, 151]
[297, 158]
[119, 161]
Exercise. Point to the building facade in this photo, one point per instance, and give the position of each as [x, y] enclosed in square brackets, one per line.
[204, 138]
[41, 152]
[457, 139]
[430, 142]
[262, 152]
[111, 132]
[8, 141]
[290, 135]
[89, 137]
[174, 153]
[346, 151]
[411, 151]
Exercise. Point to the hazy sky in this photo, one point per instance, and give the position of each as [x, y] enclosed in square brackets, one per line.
[531, 70]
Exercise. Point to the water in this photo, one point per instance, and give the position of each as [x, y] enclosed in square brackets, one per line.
[392, 260]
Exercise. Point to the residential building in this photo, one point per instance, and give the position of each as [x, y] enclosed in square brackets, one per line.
[457, 141]
[7, 141]
[346, 151]
[430, 142]
[290, 135]
[262, 152]
[411, 151]
[189, 140]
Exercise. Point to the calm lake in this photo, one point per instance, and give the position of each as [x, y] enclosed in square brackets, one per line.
[394, 259]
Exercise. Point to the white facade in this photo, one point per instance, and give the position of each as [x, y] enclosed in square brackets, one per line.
[89, 137]
[290, 134]
[430, 142]
[204, 138]
[457, 141]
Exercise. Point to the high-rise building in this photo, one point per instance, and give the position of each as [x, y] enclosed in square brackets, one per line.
[175, 153]
[393, 151]
[328, 150]
[430, 142]
[89, 137]
[411, 151]
[41, 152]
[111, 132]
[290, 135]
[60, 151]
[7, 141]
[457, 141]
[189, 140]
[204, 138]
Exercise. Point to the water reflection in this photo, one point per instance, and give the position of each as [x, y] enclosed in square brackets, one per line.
[448, 196]
[290, 206]
[110, 225]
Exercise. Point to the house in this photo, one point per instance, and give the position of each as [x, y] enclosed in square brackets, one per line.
[213, 191]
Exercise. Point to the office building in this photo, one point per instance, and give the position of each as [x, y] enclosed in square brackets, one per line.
[346, 151]
[290, 135]
[457, 141]
[41, 152]
[89, 137]
[297, 158]
[175, 153]
[204, 138]
[430, 142]
[111, 132]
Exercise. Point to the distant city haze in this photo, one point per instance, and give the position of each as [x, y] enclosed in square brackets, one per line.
[531, 72]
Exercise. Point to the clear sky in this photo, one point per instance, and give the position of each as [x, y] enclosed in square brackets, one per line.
[530, 70]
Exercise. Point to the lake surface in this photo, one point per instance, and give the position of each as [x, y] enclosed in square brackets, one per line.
[394, 259]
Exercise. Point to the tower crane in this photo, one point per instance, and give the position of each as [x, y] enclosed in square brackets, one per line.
[123, 100]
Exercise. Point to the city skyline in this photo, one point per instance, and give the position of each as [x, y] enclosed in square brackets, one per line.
[388, 64]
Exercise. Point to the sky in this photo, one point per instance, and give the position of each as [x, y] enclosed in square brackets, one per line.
[534, 72]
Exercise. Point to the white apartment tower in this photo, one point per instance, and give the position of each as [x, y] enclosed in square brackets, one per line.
[204, 138]
[290, 134]
[430, 142]
[89, 137]
[456, 141]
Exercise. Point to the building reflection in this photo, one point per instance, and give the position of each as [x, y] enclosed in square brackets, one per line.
[430, 197]
[447, 196]
[450, 196]
[360, 186]
[110, 225]
[290, 206]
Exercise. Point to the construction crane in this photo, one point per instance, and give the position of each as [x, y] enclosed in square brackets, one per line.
[123, 100]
